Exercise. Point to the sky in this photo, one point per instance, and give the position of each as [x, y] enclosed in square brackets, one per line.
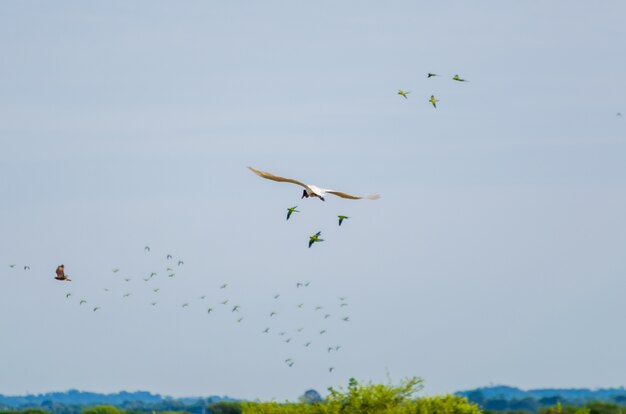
[494, 256]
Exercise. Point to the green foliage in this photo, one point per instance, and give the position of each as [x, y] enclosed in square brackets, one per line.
[225, 407]
[595, 407]
[371, 398]
[555, 409]
[508, 412]
[102, 409]
[448, 404]
[286, 408]
[26, 411]
[604, 408]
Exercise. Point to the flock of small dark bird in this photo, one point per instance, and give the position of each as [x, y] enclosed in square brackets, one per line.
[287, 336]
[172, 268]
[432, 98]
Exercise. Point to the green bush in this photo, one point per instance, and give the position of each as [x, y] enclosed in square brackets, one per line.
[225, 407]
[25, 411]
[447, 404]
[595, 407]
[285, 408]
[374, 399]
[102, 409]
[598, 407]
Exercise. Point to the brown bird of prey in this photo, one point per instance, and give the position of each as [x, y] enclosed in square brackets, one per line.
[311, 190]
[61, 274]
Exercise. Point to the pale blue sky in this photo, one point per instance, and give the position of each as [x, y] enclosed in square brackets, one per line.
[496, 253]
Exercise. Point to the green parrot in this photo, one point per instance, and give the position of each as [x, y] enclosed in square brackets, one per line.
[315, 238]
[433, 101]
[403, 93]
[430, 75]
[291, 210]
[458, 79]
[342, 218]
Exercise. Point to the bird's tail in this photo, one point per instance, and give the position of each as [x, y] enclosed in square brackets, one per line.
[373, 197]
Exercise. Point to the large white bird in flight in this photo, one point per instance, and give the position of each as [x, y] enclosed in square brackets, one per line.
[311, 190]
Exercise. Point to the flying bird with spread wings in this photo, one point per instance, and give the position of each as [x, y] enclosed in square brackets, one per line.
[403, 94]
[61, 274]
[291, 210]
[309, 189]
[315, 238]
[433, 101]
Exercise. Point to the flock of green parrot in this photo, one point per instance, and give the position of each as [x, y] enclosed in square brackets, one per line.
[314, 238]
[432, 99]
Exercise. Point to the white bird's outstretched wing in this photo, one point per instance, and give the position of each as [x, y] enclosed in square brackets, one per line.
[273, 177]
[351, 197]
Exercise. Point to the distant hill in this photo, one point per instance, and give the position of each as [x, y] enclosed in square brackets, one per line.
[121, 399]
[509, 393]
[505, 398]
